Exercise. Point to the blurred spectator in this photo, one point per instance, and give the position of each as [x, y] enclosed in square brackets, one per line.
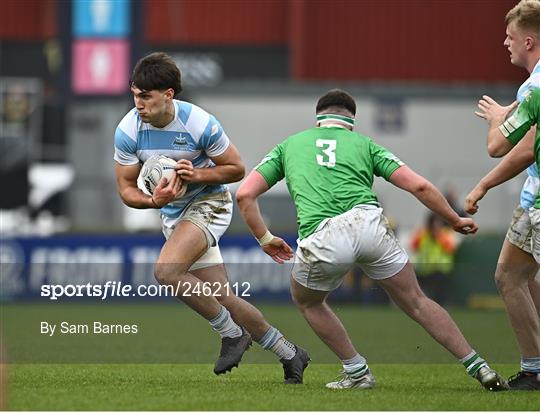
[434, 245]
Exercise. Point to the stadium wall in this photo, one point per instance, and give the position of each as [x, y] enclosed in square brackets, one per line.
[384, 40]
[391, 40]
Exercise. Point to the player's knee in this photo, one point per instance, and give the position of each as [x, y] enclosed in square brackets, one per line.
[415, 304]
[167, 274]
[299, 301]
[302, 306]
[508, 278]
[305, 304]
[501, 278]
[161, 274]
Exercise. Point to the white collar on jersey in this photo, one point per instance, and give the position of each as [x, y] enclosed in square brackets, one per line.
[333, 125]
[329, 120]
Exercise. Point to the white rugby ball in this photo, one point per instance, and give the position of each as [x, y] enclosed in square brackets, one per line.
[157, 167]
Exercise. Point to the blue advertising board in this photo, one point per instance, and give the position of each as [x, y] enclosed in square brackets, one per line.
[31, 265]
[101, 18]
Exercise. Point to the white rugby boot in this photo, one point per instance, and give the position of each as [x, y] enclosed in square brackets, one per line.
[347, 381]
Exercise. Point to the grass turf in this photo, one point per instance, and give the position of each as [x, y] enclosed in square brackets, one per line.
[172, 333]
[167, 365]
[251, 387]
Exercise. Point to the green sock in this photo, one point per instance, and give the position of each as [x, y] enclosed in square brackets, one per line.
[473, 362]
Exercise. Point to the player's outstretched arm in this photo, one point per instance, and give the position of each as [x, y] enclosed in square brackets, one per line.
[132, 196]
[246, 197]
[229, 168]
[514, 163]
[495, 114]
[408, 180]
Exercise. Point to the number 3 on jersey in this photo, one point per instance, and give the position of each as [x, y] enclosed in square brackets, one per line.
[329, 151]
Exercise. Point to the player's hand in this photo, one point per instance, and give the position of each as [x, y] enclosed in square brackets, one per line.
[471, 202]
[278, 249]
[166, 190]
[492, 112]
[186, 171]
[465, 226]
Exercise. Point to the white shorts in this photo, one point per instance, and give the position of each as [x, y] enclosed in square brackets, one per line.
[212, 214]
[360, 236]
[534, 215]
[520, 230]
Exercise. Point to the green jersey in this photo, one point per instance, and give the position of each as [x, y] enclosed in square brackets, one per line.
[328, 170]
[517, 125]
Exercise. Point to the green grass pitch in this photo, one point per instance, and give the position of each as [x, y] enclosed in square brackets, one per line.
[168, 364]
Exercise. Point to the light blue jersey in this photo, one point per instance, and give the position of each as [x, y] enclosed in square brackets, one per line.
[193, 134]
[530, 188]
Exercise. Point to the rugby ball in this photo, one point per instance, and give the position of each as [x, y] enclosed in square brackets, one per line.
[157, 167]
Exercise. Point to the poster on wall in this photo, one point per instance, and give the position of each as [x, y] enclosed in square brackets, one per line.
[100, 67]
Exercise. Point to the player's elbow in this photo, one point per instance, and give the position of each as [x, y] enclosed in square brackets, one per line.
[123, 197]
[420, 187]
[241, 171]
[496, 150]
[529, 157]
[243, 196]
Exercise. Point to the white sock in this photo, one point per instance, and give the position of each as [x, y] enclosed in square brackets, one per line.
[356, 366]
[274, 341]
[531, 365]
[225, 325]
[473, 362]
